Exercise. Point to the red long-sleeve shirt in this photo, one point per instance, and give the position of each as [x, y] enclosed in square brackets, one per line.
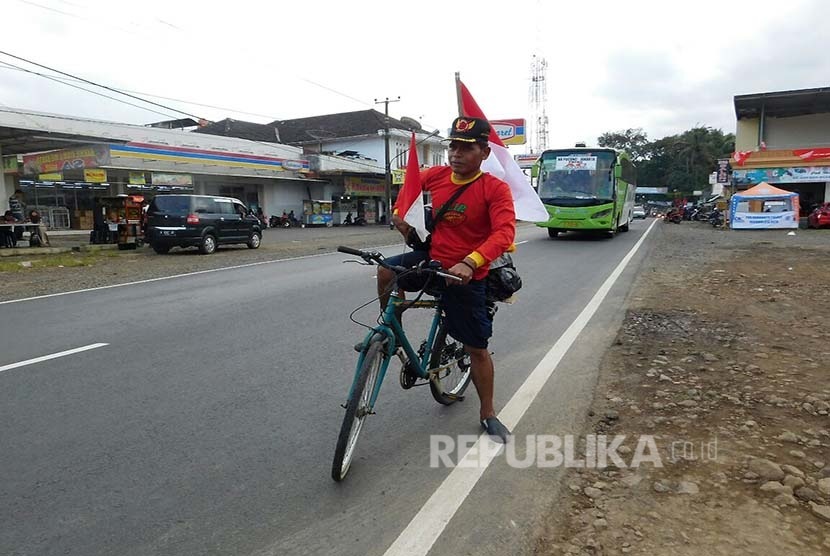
[481, 224]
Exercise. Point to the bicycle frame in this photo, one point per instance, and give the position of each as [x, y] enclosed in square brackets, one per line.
[391, 328]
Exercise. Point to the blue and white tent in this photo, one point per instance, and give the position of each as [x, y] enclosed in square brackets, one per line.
[763, 207]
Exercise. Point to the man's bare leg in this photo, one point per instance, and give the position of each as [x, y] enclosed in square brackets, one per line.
[483, 375]
[385, 279]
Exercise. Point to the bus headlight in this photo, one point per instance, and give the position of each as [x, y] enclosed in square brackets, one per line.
[602, 214]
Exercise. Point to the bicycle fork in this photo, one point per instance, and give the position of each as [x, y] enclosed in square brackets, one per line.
[387, 353]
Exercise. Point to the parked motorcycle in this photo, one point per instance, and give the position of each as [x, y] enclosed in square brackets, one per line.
[716, 218]
[284, 222]
[349, 221]
[675, 216]
[275, 221]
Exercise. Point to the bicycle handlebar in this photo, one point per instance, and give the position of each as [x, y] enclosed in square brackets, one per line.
[350, 251]
[375, 257]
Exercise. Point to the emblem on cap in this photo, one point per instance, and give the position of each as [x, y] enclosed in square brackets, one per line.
[464, 125]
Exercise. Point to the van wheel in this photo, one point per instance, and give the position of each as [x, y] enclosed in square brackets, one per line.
[208, 245]
[255, 240]
[161, 249]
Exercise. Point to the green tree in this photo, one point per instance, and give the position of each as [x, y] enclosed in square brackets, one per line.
[633, 141]
[679, 162]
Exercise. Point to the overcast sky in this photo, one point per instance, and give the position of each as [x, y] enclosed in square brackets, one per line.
[662, 66]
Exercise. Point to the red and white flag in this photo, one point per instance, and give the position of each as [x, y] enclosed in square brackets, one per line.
[812, 154]
[741, 156]
[410, 202]
[526, 202]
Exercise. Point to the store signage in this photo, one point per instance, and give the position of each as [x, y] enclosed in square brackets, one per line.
[526, 161]
[172, 179]
[511, 132]
[723, 170]
[53, 176]
[10, 164]
[364, 187]
[93, 156]
[137, 178]
[782, 175]
[398, 176]
[95, 176]
[293, 164]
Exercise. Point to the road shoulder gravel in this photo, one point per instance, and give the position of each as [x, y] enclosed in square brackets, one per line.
[721, 361]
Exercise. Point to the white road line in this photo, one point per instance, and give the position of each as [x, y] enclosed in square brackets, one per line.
[48, 357]
[174, 276]
[198, 272]
[421, 533]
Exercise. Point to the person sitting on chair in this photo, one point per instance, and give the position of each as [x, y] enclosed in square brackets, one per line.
[40, 231]
[8, 239]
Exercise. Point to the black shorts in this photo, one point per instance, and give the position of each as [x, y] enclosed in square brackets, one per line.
[468, 319]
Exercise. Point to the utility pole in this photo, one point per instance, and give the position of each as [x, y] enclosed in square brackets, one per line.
[388, 188]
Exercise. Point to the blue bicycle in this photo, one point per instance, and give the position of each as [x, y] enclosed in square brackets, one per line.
[439, 361]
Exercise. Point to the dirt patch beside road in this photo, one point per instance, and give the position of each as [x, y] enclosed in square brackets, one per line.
[723, 360]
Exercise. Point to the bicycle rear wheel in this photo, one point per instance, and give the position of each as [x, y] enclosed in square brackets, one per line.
[357, 408]
[448, 384]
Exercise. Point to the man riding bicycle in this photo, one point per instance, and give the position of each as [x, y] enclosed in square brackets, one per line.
[475, 230]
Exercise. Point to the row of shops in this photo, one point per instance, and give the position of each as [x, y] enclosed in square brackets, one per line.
[64, 184]
[782, 141]
[811, 183]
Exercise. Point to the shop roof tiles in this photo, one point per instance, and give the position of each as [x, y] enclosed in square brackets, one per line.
[243, 130]
[334, 126]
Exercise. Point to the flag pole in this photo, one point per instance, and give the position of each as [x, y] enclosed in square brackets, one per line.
[458, 92]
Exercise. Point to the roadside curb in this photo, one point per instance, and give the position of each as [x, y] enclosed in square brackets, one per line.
[34, 251]
[29, 251]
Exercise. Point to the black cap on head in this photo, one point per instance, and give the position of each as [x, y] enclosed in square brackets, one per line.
[470, 130]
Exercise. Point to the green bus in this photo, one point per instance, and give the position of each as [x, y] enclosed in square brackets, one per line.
[587, 189]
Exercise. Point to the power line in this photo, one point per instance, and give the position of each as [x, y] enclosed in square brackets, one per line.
[193, 36]
[48, 8]
[144, 93]
[64, 81]
[12, 66]
[335, 91]
[126, 92]
[345, 95]
[99, 85]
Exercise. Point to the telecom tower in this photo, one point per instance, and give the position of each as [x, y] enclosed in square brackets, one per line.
[538, 101]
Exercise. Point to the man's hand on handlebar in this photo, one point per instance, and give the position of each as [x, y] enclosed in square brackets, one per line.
[461, 270]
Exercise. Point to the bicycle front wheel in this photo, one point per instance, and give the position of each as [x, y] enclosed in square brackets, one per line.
[357, 408]
[448, 383]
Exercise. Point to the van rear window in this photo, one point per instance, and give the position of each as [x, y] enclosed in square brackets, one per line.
[172, 204]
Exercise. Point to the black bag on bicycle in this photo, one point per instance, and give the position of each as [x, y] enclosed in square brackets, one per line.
[503, 279]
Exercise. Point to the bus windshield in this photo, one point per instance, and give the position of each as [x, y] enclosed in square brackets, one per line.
[577, 177]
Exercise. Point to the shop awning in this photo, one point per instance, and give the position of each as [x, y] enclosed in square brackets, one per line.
[783, 104]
